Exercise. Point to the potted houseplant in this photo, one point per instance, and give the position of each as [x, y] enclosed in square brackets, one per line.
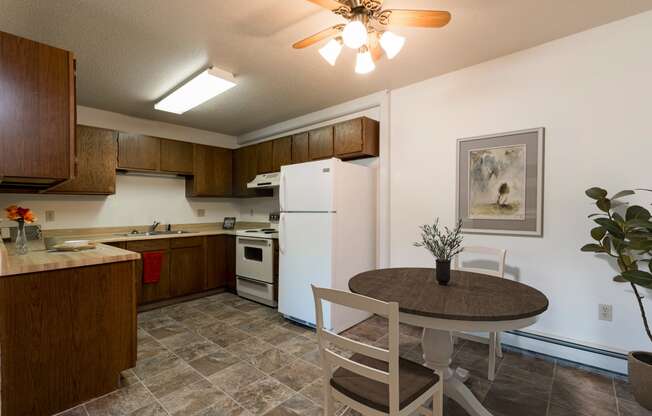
[624, 233]
[443, 244]
[22, 216]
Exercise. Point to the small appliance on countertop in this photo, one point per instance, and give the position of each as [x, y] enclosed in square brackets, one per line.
[256, 265]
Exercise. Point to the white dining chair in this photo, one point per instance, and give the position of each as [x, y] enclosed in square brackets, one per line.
[498, 256]
[374, 381]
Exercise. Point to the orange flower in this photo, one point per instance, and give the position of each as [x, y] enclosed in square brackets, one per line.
[16, 213]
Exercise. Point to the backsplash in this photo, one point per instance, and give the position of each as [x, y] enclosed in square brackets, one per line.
[140, 200]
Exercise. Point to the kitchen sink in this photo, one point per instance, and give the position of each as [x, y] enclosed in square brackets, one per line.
[152, 233]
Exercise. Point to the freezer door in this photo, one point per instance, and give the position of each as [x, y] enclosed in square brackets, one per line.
[307, 187]
[305, 258]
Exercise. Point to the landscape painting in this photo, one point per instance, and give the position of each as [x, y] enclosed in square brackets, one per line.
[497, 183]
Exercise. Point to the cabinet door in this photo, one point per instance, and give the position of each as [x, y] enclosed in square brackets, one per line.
[230, 263]
[152, 292]
[38, 110]
[281, 153]
[97, 154]
[216, 261]
[264, 157]
[321, 143]
[300, 148]
[187, 270]
[176, 156]
[139, 152]
[212, 172]
[356, 138]
[245, 168]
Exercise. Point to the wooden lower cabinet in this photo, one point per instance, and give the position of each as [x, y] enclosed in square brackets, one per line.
[230, 263]
[216, 261]
[187, 266]
[66, 335]
[147, 293]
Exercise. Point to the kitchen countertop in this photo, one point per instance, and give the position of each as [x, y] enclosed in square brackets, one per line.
[39, 259]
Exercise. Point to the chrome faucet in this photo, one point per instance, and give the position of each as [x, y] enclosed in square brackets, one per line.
[152, 227]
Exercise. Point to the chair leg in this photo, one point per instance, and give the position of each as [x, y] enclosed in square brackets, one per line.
[492, 356]
[438, 400]
[499, 346]
[329, 402]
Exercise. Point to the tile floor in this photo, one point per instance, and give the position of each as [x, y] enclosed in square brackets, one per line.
[226, 356]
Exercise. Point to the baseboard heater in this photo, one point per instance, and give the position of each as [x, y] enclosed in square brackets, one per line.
[569, 344]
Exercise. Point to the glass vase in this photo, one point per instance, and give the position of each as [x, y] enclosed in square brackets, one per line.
[21, 239]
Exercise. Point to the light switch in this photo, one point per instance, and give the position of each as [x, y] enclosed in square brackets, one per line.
[49, 216]
[201, 212]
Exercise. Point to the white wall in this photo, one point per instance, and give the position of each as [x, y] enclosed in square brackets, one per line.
[139, 200]
[591, 91]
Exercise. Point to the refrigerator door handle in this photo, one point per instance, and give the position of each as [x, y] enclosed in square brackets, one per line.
[281, 245]
[282, 191]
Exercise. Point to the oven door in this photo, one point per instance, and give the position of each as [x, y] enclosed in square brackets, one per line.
[254, 259]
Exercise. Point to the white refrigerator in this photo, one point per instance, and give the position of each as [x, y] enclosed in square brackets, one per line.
[327, 234]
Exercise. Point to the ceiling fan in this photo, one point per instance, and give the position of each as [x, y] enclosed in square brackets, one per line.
[366, 30]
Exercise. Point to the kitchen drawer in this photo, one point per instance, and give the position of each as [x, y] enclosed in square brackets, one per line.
[186, 242]
[148, 245]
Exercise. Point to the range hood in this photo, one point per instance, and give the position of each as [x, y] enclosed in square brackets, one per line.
[265, 180]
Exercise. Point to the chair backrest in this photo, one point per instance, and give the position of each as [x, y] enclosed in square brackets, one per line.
[498, 255]
[330, 358]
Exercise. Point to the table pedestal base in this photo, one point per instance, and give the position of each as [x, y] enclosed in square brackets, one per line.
[438, 353]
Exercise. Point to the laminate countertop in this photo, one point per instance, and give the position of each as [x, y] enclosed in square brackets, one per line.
[38, 259]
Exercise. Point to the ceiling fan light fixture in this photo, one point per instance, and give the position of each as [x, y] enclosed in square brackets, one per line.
[196, 91]
[355, 34]
[391, 43]
[364, 63]
[331, 51]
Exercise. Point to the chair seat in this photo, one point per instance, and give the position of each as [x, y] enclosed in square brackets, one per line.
[414, 380]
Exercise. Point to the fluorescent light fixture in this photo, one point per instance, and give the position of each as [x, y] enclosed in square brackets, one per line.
[355, 34]
[331, 51]
[391, 43]
[198, 90]
[364, 62]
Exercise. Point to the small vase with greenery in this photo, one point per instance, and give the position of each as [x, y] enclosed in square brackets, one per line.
[624, 233]
[443, 244]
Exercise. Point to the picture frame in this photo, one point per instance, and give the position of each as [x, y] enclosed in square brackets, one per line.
[229, 223]
[500, 181]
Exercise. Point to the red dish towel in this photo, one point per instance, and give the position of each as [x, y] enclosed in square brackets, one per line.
[152, 263]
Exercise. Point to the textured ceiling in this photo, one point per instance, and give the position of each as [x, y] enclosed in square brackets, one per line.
[131, 52]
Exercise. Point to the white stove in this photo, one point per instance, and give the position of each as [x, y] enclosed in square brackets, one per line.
[259, 233]
[254, 265]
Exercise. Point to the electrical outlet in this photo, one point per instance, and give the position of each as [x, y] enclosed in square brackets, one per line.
[251, 212]
[605, 312]
[201, 212]
[49, 216]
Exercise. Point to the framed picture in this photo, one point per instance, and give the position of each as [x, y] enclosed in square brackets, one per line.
[229, 223]
[500, 183]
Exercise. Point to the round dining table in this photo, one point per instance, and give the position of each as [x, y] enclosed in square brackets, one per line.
[471, 302]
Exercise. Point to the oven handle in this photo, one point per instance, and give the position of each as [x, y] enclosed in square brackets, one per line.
[253, 242]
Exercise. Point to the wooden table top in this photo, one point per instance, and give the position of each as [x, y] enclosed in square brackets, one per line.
[468, 296]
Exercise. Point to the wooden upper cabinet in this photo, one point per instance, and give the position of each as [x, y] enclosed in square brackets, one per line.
[321, 143]
[212, 172]
[176, 156]
[139, 152]
[245, 168]
[300, 148]
[264, 162]
[97, 154]
[281, 153]
[356, 138]
[38, 112]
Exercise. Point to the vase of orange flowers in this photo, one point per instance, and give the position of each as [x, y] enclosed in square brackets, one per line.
[22, 216]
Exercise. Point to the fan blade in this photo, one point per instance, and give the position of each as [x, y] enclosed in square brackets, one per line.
[329, 4]
[418, 18]
[374, 47]
[311, 40]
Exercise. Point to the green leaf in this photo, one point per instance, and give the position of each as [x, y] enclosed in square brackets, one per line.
[650, 266]
[619, 279]
[622, 194]
[598, 233]
[618, 218]
[636, 212]
[611, 226]
[593, 248]
[599, 214]
[640, 245]
[639, 277]
[606, 244]
[596, 193]
[604, 204]
[638, 223]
